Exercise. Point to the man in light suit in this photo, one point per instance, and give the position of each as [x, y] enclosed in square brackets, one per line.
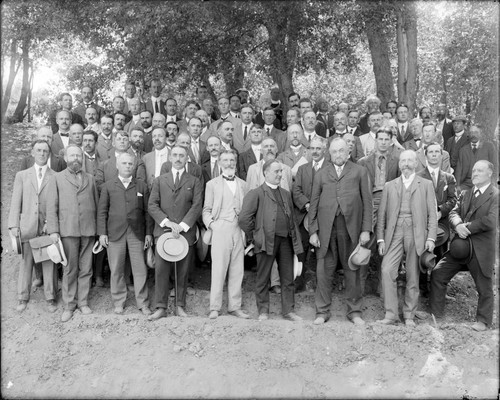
[267, 218]
[475, 216]
[296, 154]
[223, 200]
[135, 110]
[269, 129]
[124, 227]
[104, 143]
[154, 160]
[406, 225]
[54, 162]
[155, 104]
[301, 191]
[71, 216]
[87, 101]
[241, 134]
[340, 216]
[175, 202]
[27, 216]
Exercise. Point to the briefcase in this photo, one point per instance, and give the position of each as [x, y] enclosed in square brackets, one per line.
[39, 248]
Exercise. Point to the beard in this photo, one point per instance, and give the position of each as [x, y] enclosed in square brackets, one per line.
[75, 166]
[230, 172]
[137, 145]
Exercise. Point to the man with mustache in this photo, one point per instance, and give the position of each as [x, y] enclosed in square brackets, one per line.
[223, 201]
[105, 139]
[87, 101]
[154, 160]
[253, 154]
[91, 159]
[61, 139]
[137, 143]
[340, 124]
[211, 168]
[66, 102]
[147, 127]
[71, 216]
[368, 140]
[444, 125]
[406, 226]
[119, 122]
[296, 153]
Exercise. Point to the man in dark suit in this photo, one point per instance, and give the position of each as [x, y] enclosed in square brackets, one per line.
[391, 106]
[404, 132]
[210, 168]
[197, 151]
[27, 217]
[171, 110]
[340, 129]
[66, 102]
[340, 216]
[468, 155]
[135, 110]
[444, 125]
[119, 122]
[55, 163]
[301, 191]
[269, 128]
[325, 116]
[406, 227]
[104, 143]
[267, 218]
[61, 139]
[253, 154]
[184, 140]
[429, 135]
[71, 216]
[124, 227]
[457, 141]
[137, 143]
[91, 159]
[175, 202]
[155, 104]
[87, 101]
[352, 123]
[372, 105]
[475, 216]
[310, 124]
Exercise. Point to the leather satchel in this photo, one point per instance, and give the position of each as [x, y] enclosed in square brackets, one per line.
[39, 248]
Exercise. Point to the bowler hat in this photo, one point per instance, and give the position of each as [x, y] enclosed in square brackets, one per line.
[171, 248]
[459, 118]
[461, 249]
[150, 257]
[443, 234]
[201, 246]
[16, 242]
[427, 261]
[297, 266]
[306, 222]
[359, 257]
[56, 253]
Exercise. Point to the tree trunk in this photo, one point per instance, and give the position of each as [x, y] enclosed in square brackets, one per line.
[407, 54]
[487, 110]
[379, 49]
[12, 76]
[21, 105]
[233, 76]
[30, 93]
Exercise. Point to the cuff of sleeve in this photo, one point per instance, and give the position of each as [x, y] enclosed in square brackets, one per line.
[432, 240]
[163, 223]
[380, 241]
[184, 226]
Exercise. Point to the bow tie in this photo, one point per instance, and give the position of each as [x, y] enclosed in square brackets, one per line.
[227, 178]
[63, 134]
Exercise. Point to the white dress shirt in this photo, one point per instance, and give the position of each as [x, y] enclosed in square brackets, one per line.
[125, 181]
[43, 169]
[408, 181]
[256, 148]
[185, 227]
[161, 156]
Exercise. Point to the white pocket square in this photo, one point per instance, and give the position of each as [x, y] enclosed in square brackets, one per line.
[139, 194]
[444, 189]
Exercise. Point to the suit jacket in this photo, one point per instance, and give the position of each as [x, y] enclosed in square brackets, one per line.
[149, 160]
[467, 159]
[214, 195]
[121, 207]
[422, 161]
[91, 166]
[258, 215]
[104, 147]
[75, 119]
[126, 110]
[483, 219]
[107, 171]
[320, 128]
[183, 124]
[192, 169]
[238, 141]
[259, 119]
[407, 134]
[280, 137]
[140, 153]
[445, 191]
[363, 124]
[350, 192]
[302, 188]
[80, 110]
[203, 153]
[423, 208]
[255, 176]
[412, 145]
[150, 107]
[357, 131]
[328, 123]
[453, 148]
[57, 145]
[181, 204]
[245, 160]
[131, 125]
[57, 163]
[289, 158]
[391, 166]
[448, 131]
[213, 126]
[357, 152]
[71, 207]
[28, 206]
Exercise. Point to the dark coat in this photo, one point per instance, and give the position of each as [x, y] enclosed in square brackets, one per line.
[445, 190]
[351, 192]
[107, 171]
[246, 159]
[57, 163]
[391, 167]
[75, 119]
[80, 110]
[258, 218]
[467, 159]
[453, 148]
[120, 208]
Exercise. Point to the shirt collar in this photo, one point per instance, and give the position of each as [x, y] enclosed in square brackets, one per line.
[180, 171]
[37, 168]
[125, 180]
[459, 134]
[272, 186]
[136, 118]
[409, 180]
[89, 156]
[320, 162]
[162, 151]
[482, 189]
[431, 170]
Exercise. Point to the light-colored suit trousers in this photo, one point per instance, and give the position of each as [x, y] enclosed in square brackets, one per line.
[227, 259]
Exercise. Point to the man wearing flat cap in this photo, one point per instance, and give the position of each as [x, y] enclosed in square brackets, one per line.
[175, 203]
[475, 216]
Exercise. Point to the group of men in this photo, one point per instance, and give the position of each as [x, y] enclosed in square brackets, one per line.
[301, 186]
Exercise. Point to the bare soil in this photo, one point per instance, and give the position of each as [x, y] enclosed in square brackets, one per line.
[108, 356]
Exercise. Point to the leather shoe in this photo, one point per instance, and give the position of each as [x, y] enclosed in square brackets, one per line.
[172, 293]
[421, 315]
[410, 323]
[22, 305]
[118, 310]
[276, 289]
[479, 326]
[263, 317]
[240, 314]
[130, 288]
[213, 314]
[358, 321]
[85, 310]
[181, 312]
[37, 283]
[386, 321]
[51, 306]
[146, 311]
[319, 321]
[159, 313]
[99, 282]
[66, 315]
[291, 316]
[190, 291]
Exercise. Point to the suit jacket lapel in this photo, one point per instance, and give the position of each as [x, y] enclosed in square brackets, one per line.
[483, 199]
[33, 179]
[45, 180]
[415, 185]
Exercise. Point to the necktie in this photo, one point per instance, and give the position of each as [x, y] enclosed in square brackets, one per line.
[177, 179]
[227, 178]
[316, 166]
[245, 133]
[477, 192]
[157, 106]
[434, 181]
[215, 171]
[194, 147]
[474, 148]
[309, 138]
[403, 131]
[339, 171]
[326, 119]
[457, 139]
[380, 162]
[40, 173]
[267, 131]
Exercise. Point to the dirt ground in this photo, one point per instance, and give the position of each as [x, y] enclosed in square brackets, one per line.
[108, 356]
